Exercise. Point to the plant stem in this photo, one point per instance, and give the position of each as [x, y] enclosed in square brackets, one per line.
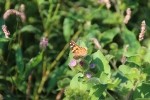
[45, 76]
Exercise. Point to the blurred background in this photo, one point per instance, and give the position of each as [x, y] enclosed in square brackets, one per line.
[34, 46]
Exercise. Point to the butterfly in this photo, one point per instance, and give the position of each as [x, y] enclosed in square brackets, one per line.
[78, 52]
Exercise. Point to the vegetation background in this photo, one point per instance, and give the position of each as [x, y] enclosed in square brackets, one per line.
[35, 58]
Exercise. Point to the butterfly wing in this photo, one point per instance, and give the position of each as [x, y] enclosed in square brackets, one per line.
[77, 51]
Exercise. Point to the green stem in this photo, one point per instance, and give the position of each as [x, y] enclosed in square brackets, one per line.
[40, 12]
[45, 76]
[51, 17]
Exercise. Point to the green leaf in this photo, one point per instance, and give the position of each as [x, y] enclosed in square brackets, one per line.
[67, 28]
[21, 84]
[135, 59]
[40, 1]
[4, 39]
[130, 39]
[96, 91]
[124, 69]
[33, 64]
[113, 18]
[55, 77]
[63, 83]
[130, 73]
[19, 59]
[93, 81]
[147, 56]
[30, 28]
[102, 63]
[108, 35]
[142, 91]
[109, 57]
[114, 84]
[104, 78]
[75, 81]
[146, 67]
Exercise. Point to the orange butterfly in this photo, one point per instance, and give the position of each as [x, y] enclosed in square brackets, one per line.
[78, 52]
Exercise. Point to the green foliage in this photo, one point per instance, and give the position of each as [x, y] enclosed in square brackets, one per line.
[35, 62]
[67, 28]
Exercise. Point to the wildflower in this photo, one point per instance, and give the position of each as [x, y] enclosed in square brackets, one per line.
[128, 16]
[81, 63]
[101, 1]
[14, 12]
[44, 42]
[22, 8]
[92, 66]
[106, 2]
[88, 75]
[72, 63]
[6, 31]
[1, 97]
[22, 14]
[123, 59]
[10, 12]
[143, 29]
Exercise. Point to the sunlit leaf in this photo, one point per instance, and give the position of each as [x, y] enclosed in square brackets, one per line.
[135, 59]
[113, 18]
[75, 81]
[104, 78]
[124, 69]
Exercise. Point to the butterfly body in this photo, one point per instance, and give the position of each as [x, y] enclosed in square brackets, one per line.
[78, 52]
